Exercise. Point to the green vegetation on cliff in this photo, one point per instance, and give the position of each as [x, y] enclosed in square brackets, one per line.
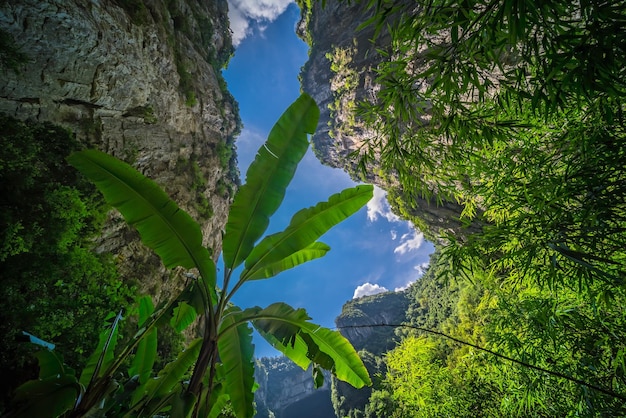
[514, 111]
[53, 285]
[215, 372]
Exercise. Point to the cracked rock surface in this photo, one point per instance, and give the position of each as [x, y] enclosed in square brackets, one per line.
[115, 80]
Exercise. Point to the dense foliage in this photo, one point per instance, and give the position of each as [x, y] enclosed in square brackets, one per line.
[515, 111]
[214, 374]
[53, 285]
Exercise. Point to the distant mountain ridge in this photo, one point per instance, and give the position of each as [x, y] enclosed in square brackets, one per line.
[286, 391]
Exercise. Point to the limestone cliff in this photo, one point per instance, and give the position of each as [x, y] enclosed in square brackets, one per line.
[383, 308]
[371, 342]
[285, 390]
[140, 80]
[340, 73]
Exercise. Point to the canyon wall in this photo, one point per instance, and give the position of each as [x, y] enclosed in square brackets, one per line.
[340, 73]
[141, 81]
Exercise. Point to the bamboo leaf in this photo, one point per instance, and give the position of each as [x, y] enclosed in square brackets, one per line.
[237, 354]
[163, 226]
[267, 179]
[306, 227]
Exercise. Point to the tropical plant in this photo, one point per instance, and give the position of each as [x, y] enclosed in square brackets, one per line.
[514, 111]
[53, 285]
[217, 368]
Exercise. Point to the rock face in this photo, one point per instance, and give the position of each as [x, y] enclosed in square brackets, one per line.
[341, 72]
[140, 80]
[284, 387]
[285, 391]
[384, 308]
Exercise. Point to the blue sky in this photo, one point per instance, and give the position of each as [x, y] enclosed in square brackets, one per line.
[370, 252]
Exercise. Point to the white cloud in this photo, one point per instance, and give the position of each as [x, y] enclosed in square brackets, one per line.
[368, 289]
[394, 234]
[244, 13]
[378, 207]
[403, 288]
[409, 242]
[421, 268]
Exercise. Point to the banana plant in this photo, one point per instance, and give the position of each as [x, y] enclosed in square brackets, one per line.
[221, 361]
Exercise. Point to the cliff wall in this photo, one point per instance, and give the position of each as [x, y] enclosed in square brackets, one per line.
[340, 73]
[139, 80]
[285, 389]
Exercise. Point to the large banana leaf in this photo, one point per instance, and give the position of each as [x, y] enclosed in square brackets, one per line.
[183, 316]
[306, 227]
[218, 401]
[237, 355]
[53, 393]
[163, 226]
[169, 377]
[290, 332]
[145, 354]
[49, 397]
[267, 179]
[313, 251]
[101, 359]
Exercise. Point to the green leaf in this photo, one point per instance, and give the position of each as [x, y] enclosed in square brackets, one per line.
[174, 371]
[145, 354]
[163, 226]
[306, 227]
[50, 397]
[183, 316]
[289, 331]
[348, 364]
[313, 251]
[219, 400]
[237, 355]
[157, 393]
[267, 179]
[318, 376]
[49, 364]
[102, 358]
[183, 405]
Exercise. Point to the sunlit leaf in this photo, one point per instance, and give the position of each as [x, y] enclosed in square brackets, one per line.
[267, 178]
[290, 331]
[313, 251]
[306, 227]
[237, 356]
[163, 226]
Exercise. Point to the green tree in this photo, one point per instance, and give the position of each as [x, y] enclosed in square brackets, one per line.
[513, 109]
[52, 284]
[216, 369]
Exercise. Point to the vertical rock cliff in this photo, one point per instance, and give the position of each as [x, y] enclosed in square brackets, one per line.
[340, 73]
[371, 342]
[286, 391]
[139, 79]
